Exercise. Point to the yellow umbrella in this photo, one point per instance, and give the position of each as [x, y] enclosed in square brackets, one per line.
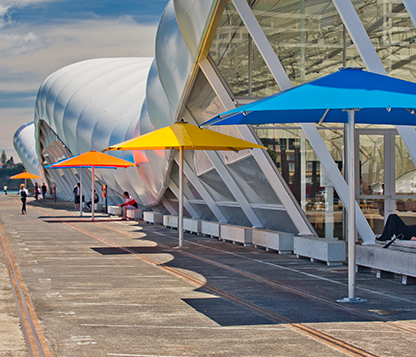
[91, 159]
[184, 136]
[25, 175]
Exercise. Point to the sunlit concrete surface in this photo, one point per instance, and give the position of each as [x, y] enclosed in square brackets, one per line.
[114, 288]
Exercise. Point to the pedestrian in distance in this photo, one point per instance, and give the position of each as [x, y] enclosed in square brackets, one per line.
[5, 189]
[44, 189]
[36, 191]
[23, 196]
[77, 192]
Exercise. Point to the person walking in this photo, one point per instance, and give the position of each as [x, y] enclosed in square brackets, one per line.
[5, 189]
[23, 195]
[36, 191]
[44, 189]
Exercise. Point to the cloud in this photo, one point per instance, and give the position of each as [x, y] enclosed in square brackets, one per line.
[30, 51]
[28, 56]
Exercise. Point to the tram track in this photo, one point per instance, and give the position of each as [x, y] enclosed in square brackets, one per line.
[314, 333]
[35, 341]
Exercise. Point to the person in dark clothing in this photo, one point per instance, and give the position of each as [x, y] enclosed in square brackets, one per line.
[36, 191]
[396, 226]
[44, 189]
[96, 200]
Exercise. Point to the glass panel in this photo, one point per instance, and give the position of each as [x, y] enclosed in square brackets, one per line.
[373, 210]
[252, 182]
[230, 50]
[203, 104]
[407, 211]
[393, 35]
[315, 192]
[405, 169]
[307, 36]
[371, 164]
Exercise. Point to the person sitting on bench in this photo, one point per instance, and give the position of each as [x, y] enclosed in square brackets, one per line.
[396, 226]
[129, 204]
[96, 200]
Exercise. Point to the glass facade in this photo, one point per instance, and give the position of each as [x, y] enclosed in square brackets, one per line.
[310, 40]
[392, 33]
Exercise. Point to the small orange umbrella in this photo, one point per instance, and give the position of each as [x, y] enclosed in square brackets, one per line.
[91, 159]
[24, 175]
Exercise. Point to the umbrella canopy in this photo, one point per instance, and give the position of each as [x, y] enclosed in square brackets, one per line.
[25, 175]
[184, 136]
[378, 99]
[351, 96]
[91, 159]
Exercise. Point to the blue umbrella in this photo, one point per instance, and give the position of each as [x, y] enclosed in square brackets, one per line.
[351, 96]
[378, 99]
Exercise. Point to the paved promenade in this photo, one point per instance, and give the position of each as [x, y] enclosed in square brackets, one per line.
[122, 288]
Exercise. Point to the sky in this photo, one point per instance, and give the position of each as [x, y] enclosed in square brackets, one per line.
[38, 37]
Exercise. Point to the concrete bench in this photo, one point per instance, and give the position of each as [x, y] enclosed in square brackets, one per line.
[115, 210]
[237, 234]
[273, 240]
[326, 250]
[135, 214]
[211, 229]
[170, 221]
[192, 225]
[399, 258]
[153, 217]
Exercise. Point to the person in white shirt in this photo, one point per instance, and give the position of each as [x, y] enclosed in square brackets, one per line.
[23, 195]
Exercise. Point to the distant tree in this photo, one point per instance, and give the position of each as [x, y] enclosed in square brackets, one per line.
[3, 157]
[9, 163]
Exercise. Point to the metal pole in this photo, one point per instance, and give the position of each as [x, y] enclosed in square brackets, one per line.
[180, 196]
[80, 191]
[92, 195]
[351, 215]
[351, 210]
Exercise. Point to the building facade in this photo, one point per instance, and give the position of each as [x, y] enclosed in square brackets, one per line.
[214, 55]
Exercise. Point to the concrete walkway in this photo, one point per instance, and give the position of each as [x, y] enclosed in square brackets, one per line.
[121, 288]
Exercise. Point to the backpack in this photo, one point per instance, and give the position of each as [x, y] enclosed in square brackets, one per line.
[23, 193]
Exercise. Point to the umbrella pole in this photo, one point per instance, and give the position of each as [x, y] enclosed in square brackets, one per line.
[180, 196]
[80, 191]
[351, 212]
[92, 195]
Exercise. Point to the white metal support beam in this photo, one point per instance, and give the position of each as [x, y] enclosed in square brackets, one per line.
[175, 189]
[263, 159]
[169, 206]
[214, 157]
[262, 43]
[201, 190]
[411, 9]
[371, 60]
[310, 130]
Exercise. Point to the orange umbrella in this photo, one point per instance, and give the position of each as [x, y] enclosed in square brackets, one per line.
[25, 175]
[91, 159]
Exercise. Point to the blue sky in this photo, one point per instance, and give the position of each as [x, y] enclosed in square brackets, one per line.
[37, 37]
